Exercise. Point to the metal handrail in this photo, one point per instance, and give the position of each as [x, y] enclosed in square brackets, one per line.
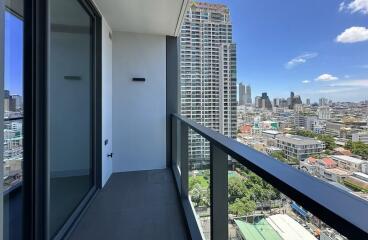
[13, 119]
[13, 188]
[339, 209]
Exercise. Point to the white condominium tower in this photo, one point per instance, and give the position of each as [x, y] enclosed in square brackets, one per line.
[208, 74]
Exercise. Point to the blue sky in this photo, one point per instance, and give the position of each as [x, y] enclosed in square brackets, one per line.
[282, 46]
[13, 54]
[285, 45]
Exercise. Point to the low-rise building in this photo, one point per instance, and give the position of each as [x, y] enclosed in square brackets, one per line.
[334, 174]
[351, 164]
[309, 165]
[360, 137]
[270, 133]
[299, 147]
[342, 151]
[357, 181]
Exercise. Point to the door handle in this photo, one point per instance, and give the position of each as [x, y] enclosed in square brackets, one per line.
[110, 155]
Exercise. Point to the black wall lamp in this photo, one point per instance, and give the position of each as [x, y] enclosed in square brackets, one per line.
[139, 79]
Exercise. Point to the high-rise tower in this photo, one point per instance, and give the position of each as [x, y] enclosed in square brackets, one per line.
[242, 94]
[248, 94]
[208, 72]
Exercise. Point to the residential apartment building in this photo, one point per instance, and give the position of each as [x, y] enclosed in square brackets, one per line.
[351, 164]
[208, 73]
[298, 147]
[242, 94]
[360, 137]
[324, 112]
[248, 94]
[334, 128]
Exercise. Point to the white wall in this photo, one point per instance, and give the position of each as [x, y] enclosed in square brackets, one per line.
[139, 108]
[70, 150]
[106, 102]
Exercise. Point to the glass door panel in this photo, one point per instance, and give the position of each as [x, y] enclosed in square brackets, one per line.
[70, 109]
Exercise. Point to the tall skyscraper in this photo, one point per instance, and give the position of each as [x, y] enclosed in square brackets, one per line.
[323, 102]
[248, 94]
[208, 73]
[258, 102]
[242, 94]
[266, 103]
[294, 99]
[308, 102]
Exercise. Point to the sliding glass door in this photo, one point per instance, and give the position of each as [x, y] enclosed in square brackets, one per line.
[71, 110]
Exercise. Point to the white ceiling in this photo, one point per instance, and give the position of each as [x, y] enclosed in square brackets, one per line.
[144, 16]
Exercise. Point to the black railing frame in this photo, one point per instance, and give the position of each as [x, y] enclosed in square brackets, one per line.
[337, 208]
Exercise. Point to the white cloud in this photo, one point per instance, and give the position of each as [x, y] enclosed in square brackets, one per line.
[300, 60]
[336, 90]
[306, 81]
[363, 83]
[326, 77]
[355, 6]
[353, 34]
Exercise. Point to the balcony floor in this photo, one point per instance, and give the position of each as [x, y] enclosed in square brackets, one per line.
[135, 205]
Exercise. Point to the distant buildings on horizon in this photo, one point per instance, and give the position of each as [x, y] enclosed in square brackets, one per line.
[245, 94]
[12, 103]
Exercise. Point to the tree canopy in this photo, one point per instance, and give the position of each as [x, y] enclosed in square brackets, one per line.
[358, 148]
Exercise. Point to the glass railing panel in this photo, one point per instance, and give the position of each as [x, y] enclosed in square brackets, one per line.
[13, 176]
[257, 210]
[13, 152]
[199, 180]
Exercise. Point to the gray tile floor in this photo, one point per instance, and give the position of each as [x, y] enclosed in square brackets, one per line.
[135, 205]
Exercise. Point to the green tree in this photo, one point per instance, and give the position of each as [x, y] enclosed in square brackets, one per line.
[349, 145]
[237, 189]
[200, 180]
[358, 148]
[279, 155]
[328, 140]
[242, 207]
[305, 133]
[200, 196]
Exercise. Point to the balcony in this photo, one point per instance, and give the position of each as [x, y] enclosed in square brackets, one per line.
[135, 205]
[145, 183]
[156, 204]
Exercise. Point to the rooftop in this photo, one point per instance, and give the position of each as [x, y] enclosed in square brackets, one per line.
[311, 160]
[288, 228]
[348, 159]
[337, 171]
[328, 161]
[259, 230]
[298, 140]
[273, 132]
[361, 175]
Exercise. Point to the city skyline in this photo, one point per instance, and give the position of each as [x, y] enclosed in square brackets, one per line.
[304, 99]
[13, 77]
[295, 66]
[302, 48]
